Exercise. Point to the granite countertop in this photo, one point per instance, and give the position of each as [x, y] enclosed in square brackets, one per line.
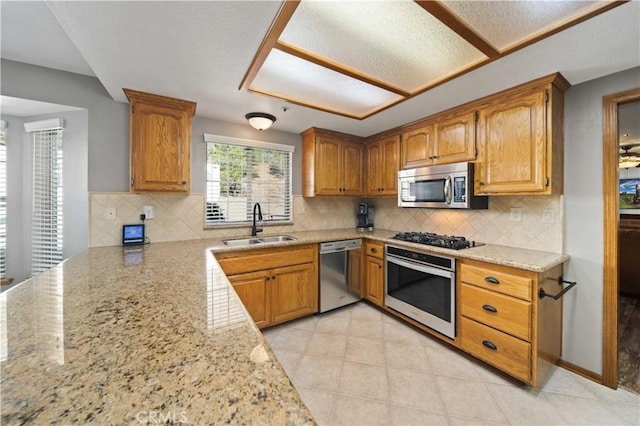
[124, 335]
[530, 260]
[117, 336]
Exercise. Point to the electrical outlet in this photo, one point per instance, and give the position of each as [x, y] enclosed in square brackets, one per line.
[515, 214]
[149, 211]
[548, 216]
[110, 213]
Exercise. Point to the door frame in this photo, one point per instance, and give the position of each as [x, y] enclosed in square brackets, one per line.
[611, 224]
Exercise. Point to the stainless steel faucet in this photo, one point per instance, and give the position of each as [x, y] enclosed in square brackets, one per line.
[256, 228]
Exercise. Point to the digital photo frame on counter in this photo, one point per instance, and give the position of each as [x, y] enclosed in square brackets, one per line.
[133, 235]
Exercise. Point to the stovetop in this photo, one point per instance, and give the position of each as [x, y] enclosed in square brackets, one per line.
[431, 239]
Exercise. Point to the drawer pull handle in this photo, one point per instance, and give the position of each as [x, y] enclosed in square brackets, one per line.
[491, 280]
[374, 250]
[489, 308]
[489, 345]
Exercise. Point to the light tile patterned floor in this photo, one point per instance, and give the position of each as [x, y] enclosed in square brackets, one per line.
[360, 366]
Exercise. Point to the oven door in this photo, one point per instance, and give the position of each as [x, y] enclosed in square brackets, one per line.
[421, 292]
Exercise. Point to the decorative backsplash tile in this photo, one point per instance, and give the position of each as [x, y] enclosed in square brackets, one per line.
[540, 227]
[181, 217]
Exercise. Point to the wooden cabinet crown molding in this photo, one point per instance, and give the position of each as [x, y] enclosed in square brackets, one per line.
[137, 96]
[160, 138]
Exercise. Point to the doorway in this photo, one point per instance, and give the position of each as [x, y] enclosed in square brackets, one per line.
[611, 226]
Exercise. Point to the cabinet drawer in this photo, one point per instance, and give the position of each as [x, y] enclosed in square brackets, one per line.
[375, 250]
[497, 280]
[505, 313]
[501, 350]
[256, 260]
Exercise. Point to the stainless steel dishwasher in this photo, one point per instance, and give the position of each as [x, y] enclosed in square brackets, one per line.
[339, 273]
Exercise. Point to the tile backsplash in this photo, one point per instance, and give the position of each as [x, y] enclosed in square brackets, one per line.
[540, 226]
[181, 217]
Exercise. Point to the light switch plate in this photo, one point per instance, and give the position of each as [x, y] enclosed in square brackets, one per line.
[548, 216]
[110, 213]
[515, 214]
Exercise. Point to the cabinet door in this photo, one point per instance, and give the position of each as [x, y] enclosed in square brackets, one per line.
[294, 292]
[160, 142]
[512, 146]
[351, 169]
[374, 159]
[374, 289]
[328, 165]
[252, 290]
[417, 147]
[389, 165]
[455, 139]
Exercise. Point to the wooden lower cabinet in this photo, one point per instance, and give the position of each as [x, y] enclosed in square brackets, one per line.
[252, 290]
[275, 285]
[294, 292]
[502, 321]
[374, 273]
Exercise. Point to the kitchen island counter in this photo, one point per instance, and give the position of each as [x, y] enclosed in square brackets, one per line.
[126, 335]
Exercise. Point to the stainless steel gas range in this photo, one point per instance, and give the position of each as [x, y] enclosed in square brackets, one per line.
[422, 285]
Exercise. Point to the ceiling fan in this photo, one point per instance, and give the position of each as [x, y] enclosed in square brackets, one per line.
[629, 159]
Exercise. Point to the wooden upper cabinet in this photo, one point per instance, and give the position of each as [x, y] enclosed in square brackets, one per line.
[160, 137]
[445, 139]
[352, 168]
[417, 147]
[512, 146]
[331, 163]
[521, 140]
[455, 139]
[383, 163]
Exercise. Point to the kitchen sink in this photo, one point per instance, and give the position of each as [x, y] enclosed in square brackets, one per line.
[251, 241]
[277, 239]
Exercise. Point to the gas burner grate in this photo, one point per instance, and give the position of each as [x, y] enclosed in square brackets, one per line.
[431, 239]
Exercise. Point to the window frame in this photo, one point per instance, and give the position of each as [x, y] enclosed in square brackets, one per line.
[250, 143]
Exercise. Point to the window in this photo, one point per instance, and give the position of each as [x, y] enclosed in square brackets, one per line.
[46, 196]
[3, 200]
[241, 173]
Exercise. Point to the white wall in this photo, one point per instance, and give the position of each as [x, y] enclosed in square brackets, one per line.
[76, 197]
[109, 125]
[583, 197]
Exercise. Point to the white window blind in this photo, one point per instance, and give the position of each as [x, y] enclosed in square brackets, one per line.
[46, 211]
[3, 199]
[241, 173]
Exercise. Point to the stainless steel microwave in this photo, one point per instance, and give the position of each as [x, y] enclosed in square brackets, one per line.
[448, 186]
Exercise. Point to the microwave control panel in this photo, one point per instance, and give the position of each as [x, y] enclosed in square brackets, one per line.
[460, 189]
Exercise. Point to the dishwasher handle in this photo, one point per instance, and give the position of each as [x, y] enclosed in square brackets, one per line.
[338, 246]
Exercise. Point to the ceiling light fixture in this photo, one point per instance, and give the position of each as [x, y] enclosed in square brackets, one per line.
[628, 159]
[629, 162]
[260, 120]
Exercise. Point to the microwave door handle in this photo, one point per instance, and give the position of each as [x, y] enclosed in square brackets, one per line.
[447, 190]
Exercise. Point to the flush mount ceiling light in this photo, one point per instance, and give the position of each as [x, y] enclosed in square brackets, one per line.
[260, 120]
[629, 159]
[356, 59]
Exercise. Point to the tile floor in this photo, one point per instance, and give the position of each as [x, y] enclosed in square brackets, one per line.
[360, 366]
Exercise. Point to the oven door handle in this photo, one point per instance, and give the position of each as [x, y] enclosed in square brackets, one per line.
[420, 267]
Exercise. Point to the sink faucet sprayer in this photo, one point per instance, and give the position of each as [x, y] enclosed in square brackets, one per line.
[255, 229]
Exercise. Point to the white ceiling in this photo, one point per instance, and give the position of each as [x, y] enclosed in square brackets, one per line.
[19, 107]
[200, 50]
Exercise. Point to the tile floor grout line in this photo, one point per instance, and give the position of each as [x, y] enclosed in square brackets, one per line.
[479, 374]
